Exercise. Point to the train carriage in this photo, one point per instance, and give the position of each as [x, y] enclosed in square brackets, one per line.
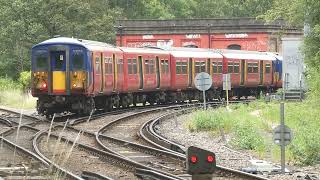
[80, 76]
[250, 71]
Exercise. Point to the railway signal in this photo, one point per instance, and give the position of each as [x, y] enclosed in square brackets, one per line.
[200, 163]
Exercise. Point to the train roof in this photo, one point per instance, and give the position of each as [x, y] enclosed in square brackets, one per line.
[143, 50]
[193, 53]
[242, 54]
[91, 45]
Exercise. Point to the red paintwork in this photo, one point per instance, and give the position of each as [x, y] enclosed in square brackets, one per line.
[178, 81]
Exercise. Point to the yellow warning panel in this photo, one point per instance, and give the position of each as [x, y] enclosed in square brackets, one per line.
[58, 81]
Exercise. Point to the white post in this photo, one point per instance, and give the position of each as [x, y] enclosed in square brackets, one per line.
[204, 100]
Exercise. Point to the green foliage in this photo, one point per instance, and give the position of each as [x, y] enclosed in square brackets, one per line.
[8, 84]
[247, 137]
[250, 127]
[25, 80]
[300, 12]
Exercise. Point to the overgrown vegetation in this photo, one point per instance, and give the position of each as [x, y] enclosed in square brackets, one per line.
[15, 93]
[250, 127]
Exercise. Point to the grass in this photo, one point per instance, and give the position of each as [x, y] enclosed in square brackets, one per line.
[250, 127]
[11, 95]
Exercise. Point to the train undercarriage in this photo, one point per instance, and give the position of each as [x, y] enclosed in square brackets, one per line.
[84, 105]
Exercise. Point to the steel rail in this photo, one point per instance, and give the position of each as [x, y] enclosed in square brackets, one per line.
[103, 155]
[147, 131]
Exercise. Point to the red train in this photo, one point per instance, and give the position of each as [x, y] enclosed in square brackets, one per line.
[81, 76]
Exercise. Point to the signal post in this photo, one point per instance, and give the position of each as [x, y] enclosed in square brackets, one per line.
[200, 163]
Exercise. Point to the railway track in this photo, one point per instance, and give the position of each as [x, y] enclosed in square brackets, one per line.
[118, 167]
[149, 133]
[16, 118]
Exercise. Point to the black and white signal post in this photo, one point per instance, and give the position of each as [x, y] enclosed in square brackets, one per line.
[203, 82]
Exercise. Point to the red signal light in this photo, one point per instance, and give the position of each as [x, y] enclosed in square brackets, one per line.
[194, 159]
[44, 85]
[210, 159]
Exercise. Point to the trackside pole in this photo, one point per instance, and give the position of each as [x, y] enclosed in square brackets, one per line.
[283, 150]
[204, 100]
[227, 92]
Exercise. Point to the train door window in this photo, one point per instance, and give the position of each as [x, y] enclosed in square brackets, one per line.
[120, 66]
[134, 66]
[184, 66]
[98, 68]
[214, 67]
[108, 65]
[268, 67]
[219, 67]
[163, 66]
[252, 68]
[41, 60]
[166, 62]
[255, 67]
[230, 67]
[198, 67]
[178, 67]
[77, 59]
[151, 66]
[236, 67]
[146, 66]
[129, 66]
[59, 60]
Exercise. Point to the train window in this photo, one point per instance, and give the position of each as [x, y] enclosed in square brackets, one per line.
[219, 67]
[146, 67]
[97, 65]
[166, 62]
[230, 67]
[129, 66]
[267, 68]
[151, 68]
[215, 67]
[236, 67]
[164, 66]
[41, 60]
[162, 63]
[178, 67]
[108, 65]
[77, 59]
[200, 67]
[134, 65]
[255, 67]
[252, 68]
[184, 66]
[120, 66]
[58, 61]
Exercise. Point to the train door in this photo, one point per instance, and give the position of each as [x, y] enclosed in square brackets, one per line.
[59, 72]
[114, 72]
[102, 73]
[158, 72]
[261, 73]
[140, 72]
[190, 64]
[208, 65]
[243, 71]
[97, 73]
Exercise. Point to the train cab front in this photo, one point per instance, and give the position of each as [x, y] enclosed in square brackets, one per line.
[59, 76]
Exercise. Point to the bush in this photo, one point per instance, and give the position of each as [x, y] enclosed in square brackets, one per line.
[25, 80]
[8, 84]
[246, 137]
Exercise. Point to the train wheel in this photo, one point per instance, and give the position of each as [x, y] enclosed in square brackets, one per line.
[108, 106]
[89, 106]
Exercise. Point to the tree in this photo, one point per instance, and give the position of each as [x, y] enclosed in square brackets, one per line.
[25, 23]
[298, 12]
